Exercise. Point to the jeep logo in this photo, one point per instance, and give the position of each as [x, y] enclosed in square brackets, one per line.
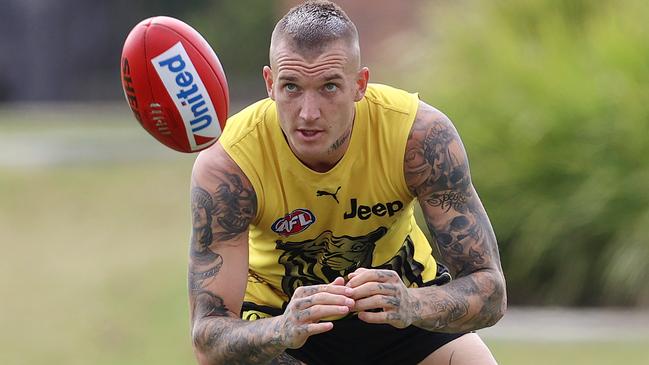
[365, 212]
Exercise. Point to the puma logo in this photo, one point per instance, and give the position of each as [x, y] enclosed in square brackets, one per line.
[333, 195]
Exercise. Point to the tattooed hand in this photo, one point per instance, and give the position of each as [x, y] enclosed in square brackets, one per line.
[385, 291]
[310, 305]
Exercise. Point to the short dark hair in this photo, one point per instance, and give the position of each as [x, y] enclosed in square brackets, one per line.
[313, 24]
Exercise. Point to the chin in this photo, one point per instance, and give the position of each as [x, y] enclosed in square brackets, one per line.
[309, 148]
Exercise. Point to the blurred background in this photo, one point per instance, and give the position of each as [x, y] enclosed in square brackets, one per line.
[551, 98]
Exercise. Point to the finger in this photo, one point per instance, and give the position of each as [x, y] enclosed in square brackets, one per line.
[319, 312]
[356, 272]
[381, 276]
[372, 288]
[384, 302]
[305, 291]
[339, 281]
[323, 299]
[373, 317]
[316, 328]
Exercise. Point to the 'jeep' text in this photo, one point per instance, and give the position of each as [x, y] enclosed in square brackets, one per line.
[365, 211]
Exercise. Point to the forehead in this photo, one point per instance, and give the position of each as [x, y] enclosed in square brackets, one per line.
[330, 60]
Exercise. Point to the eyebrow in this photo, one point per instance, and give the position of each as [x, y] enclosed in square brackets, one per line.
[335, 76]
[287, 78]
[291, 78]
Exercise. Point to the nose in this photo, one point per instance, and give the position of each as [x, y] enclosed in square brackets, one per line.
[310, 108]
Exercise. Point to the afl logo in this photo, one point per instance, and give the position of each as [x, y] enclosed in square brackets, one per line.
[294, 222]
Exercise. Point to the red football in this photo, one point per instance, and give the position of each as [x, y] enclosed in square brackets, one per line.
[174, 83]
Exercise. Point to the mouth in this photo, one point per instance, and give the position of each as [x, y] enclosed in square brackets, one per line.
[309, 134]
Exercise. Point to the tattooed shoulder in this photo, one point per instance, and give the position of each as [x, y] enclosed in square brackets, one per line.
[435, 159]
[223, 205]
[221, 213]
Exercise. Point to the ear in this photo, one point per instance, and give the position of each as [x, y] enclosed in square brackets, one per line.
[268, 80]
[362, 78]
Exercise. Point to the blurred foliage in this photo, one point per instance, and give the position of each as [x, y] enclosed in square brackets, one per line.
[239, 32]
[551, 98]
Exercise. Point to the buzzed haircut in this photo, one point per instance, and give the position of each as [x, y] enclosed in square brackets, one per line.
[313, 24]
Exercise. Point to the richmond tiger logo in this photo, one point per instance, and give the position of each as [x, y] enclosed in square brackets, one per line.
[326, 257]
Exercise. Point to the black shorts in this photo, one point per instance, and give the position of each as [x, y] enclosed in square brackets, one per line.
[353, 341]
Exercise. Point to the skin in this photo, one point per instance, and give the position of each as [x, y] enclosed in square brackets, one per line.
[218, 275]
[437, 173]
[315, 95]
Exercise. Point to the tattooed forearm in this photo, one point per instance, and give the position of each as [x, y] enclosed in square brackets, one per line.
[223, 338]
[464, 304]
[437, 172]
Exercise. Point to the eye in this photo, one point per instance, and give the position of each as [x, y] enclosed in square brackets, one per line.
[330, 87]
[290, 88]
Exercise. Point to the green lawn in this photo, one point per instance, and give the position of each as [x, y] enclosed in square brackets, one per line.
[93, 266]
[560, 353]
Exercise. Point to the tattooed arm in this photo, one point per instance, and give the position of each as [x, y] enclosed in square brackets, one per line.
[223, 205]
[437, 172]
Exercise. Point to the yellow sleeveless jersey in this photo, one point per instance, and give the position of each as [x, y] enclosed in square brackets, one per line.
[312, 227]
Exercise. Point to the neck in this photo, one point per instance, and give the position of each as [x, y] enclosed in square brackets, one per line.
[334, 154]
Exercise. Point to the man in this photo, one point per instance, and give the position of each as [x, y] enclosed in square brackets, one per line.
[304, 245]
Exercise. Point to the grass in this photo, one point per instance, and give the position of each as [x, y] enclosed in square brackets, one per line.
[93, 263]
[591, 353]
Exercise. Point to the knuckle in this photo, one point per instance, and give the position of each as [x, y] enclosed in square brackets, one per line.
[301, 315]
[305, 291]
[388, 287]
[301, 303]
[392, 274]
[298, 292]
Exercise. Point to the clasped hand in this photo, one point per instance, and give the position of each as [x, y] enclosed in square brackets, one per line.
[381, 297]
[378, 296]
